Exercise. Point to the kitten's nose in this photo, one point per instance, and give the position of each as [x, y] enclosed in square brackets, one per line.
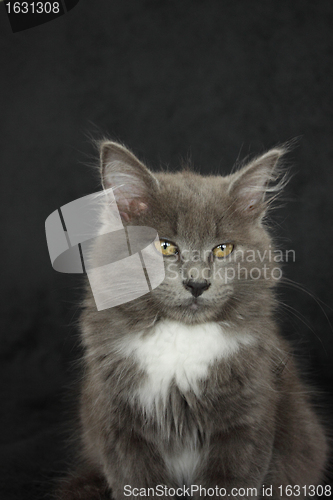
[196, 287]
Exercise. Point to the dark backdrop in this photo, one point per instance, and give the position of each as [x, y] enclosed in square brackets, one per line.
[212, 79]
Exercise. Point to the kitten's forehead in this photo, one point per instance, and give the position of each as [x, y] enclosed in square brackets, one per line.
[193, 206]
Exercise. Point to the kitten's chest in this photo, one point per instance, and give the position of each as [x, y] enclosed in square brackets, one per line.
[173, 353]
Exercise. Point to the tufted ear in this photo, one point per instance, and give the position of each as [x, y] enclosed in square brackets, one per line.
[131, 181]
[257, 183]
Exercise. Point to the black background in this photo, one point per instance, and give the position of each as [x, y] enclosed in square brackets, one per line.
[212, 79]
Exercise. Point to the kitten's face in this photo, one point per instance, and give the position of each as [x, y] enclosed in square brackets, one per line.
[211, 250]
[216, 250]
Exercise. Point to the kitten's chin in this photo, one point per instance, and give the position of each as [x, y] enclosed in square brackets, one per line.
[195, 304]
[194, 310]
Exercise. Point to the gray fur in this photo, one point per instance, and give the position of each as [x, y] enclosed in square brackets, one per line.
[250, 418]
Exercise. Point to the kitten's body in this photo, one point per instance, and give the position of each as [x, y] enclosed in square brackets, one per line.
[183, 390]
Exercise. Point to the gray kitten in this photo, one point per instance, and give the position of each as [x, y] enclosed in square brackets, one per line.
[192, 384]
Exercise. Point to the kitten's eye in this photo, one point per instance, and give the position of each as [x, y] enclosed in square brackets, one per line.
[166, 247]
[223, 250]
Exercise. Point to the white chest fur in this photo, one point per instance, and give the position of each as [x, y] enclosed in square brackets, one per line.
[184, 466]
[179, 353]
[172, 352]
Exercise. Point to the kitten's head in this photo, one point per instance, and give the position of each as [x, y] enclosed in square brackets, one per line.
[219, 259]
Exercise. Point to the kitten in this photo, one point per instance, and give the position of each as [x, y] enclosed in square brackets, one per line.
[192, 384]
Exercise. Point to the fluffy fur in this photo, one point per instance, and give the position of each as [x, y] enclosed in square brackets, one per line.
[200, 390]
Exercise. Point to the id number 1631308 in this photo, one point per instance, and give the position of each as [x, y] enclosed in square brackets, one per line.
[33, 7]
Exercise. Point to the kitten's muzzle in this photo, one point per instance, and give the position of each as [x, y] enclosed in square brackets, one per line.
[196, 288]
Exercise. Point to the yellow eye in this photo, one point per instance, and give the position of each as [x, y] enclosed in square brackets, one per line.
[166, 247]
[223, 250]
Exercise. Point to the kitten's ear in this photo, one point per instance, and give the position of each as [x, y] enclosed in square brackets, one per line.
[131, 181]
[255, 185]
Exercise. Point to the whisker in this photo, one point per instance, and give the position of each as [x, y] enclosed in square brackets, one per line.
[297, 286]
